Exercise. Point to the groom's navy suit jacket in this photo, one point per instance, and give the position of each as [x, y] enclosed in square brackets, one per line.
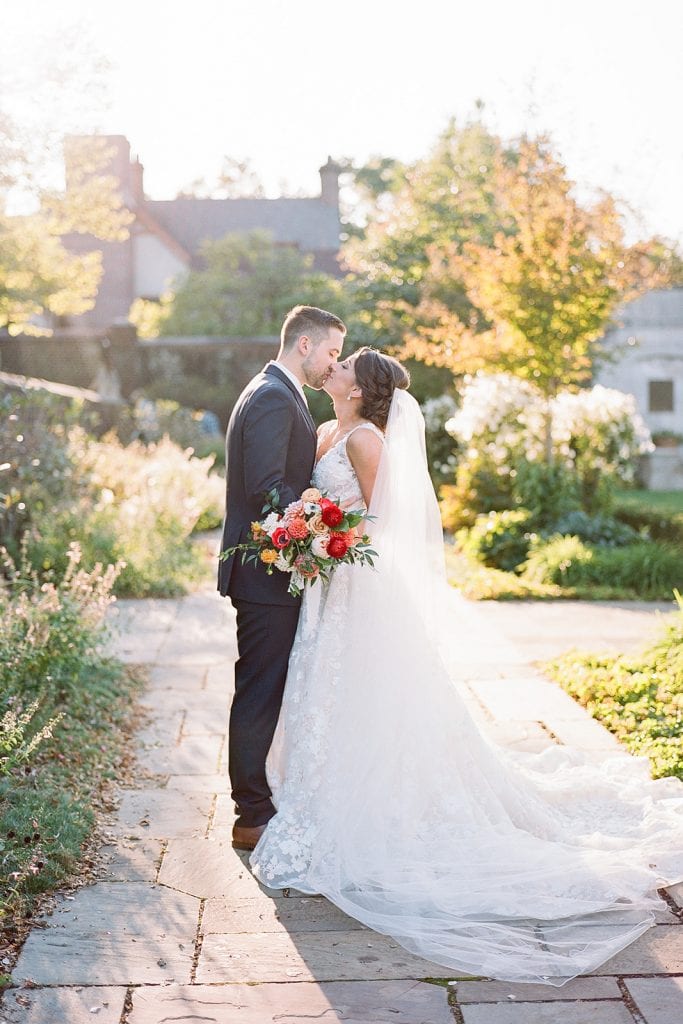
[271, 442]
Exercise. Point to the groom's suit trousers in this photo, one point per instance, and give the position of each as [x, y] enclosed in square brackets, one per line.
[265, 634]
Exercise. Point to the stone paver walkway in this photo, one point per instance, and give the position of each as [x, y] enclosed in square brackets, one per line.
[178, 930]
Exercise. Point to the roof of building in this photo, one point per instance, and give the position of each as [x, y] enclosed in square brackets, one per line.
[660, 307]
[309, 223]
[146, 222]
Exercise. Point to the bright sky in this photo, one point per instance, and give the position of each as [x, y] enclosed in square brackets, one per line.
[285, 83]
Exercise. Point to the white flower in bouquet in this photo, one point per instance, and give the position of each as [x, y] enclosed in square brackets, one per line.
[282, 564]
[270, 523]
[298, 580]
[319, 546]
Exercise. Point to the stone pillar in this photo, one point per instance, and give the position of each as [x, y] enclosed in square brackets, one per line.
[121, 355]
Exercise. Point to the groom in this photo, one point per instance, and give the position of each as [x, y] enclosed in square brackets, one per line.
[271, 443]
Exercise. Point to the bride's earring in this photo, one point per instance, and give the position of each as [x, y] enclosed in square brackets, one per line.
[349, 397]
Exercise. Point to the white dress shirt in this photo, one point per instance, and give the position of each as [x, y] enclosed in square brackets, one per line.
[295, 381]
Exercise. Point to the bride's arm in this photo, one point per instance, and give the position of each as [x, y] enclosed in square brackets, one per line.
[364, 449]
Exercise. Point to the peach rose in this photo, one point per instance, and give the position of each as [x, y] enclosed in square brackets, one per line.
[316, 526]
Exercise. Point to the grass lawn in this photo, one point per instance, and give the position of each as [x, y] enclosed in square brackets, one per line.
[659, 501]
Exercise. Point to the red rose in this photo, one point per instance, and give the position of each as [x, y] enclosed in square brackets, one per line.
[337, 547]
[280, 537]
[331, 514]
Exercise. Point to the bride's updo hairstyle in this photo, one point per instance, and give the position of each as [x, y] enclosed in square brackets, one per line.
[378, 376]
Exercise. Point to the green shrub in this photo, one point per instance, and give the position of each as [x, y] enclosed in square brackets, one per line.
[196, 392]
[441, 447]
[135, 503]
[479, 488]
[547, 491]
[37, 473]
[150, 421]
[638, 698]
[73, 703]
[500, 539]
[657, 524]
[481, 583]
[150, 499]
[645, 569]
[599, 529]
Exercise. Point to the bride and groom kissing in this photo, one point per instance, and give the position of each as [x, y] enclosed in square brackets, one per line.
[356, 768]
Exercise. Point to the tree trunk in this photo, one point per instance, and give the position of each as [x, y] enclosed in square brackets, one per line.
[548, 433]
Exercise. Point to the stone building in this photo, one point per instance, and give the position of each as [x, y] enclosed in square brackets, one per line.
[646, 345]
[166, 235]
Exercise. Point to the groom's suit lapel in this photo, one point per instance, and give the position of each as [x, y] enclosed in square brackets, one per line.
[275, 371]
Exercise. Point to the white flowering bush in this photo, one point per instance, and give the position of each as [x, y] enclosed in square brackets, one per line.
[597, 428]
[148, 500]
[441, 447]
[597, 437]
[136, 504]
[600, 430]
[147, 482]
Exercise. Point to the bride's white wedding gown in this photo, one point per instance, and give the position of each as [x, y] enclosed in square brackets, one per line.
[395, 806]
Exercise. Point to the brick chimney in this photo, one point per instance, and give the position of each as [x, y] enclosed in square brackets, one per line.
[136, 182]
[85, 155]
[329, 183]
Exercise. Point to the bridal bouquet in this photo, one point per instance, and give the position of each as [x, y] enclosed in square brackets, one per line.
[308, 539]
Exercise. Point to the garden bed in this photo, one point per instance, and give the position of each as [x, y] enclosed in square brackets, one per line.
[68, 712]
[638, 698]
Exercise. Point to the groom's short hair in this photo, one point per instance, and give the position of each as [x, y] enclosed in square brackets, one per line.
[311, 321]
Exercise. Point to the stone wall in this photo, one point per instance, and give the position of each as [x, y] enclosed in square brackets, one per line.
[199, 372]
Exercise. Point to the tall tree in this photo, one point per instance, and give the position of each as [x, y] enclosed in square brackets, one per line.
[543, 289]
[247, 285]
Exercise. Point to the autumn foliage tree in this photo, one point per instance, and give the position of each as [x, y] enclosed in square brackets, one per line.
[543, 288]
[506, 270]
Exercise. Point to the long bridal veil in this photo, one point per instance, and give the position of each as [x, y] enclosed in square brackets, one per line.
[518, 867]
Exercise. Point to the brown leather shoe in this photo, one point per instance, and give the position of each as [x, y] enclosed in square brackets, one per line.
[246, 838]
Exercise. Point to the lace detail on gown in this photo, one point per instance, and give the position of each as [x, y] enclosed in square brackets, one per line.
[394, 804]
[306, 717]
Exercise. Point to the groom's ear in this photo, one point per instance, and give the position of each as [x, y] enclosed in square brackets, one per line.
[303, 344]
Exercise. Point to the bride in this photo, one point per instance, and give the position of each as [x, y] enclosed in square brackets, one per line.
[390, 800]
